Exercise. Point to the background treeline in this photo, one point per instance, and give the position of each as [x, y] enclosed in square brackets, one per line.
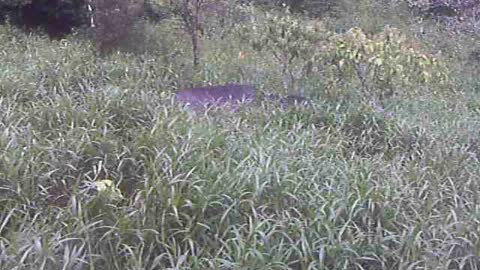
[119, 22]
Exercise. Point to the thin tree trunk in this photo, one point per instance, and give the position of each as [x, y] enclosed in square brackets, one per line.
[190, 14]
[194, 33]
[90, 13]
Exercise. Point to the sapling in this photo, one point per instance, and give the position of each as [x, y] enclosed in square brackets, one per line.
[290, 41]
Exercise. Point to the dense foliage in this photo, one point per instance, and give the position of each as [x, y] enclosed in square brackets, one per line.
[101, 169]
[385, 64]
[56, 17]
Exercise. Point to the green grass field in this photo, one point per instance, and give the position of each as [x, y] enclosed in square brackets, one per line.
[336, 186]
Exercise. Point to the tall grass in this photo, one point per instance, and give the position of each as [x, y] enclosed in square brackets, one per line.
[335, 186]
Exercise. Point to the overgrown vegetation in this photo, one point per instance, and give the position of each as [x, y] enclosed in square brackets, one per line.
[117, 25]
[100, 169]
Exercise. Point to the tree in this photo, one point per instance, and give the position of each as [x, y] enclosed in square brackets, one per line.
[292, 43]
[190, 12]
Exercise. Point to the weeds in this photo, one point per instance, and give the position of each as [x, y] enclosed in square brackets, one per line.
[336, 185]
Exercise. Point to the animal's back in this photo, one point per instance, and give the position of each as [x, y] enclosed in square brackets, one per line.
[216, 95]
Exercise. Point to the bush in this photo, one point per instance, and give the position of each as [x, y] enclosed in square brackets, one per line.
[116, 24]
[57, 17]
[291, 42]
[384, 65]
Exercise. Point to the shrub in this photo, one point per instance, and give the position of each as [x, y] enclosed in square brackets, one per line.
[384, 64]
[290, 41]
[57, 17]
[116, 24]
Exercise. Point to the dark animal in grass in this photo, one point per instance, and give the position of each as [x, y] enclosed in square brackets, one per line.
[288, 100]
[233, 95]
[217, 95]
